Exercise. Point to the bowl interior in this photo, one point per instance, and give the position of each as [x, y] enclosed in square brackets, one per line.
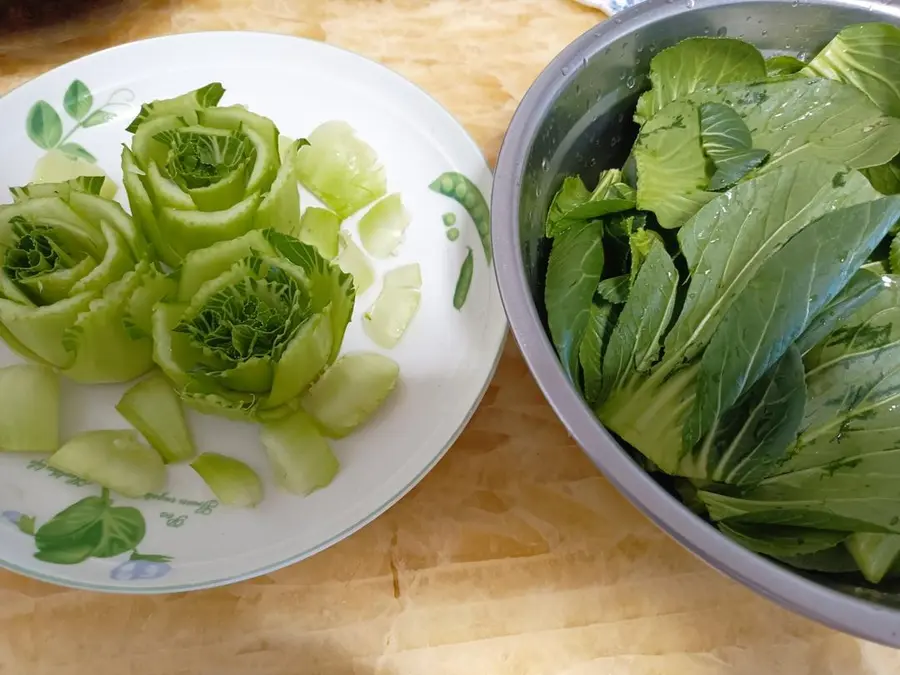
[577, 119]
[589, 128]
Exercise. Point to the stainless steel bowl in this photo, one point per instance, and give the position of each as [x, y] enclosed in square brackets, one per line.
[576, 118]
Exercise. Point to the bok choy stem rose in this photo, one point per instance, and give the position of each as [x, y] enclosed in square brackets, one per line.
[197, 174]
[254, 322]
[76, 285]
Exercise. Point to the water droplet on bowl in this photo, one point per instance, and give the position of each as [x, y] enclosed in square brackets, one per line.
[690, 4]
[765, 32]
[565, 70]
[545, 164]
[722, 32]
[629, 83]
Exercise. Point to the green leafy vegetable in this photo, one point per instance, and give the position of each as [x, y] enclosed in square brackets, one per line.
[601, 320]
[615, 289]
[673, 176]
[29, 401]
[727, 142]
[154, 409]
[576, 264]
[197, 174]
[255, 321]
[233, 482]
[350, 392]
[797, 120]
[874, 553]
[300, 456]
[862, 287]
[865, 56]
[847, 439]
[885, 178]
[783, 65]
[114, 459]
[76, 283]
[636, 340]
[722, 131]
[754, 354]
[340, 169]
[803, 119]
[697, 63]
[729, 240]
[776, 305]
[782, 541]
[574, 204]
[750, 437]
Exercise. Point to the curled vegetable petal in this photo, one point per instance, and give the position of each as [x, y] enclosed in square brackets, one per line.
[76, 282]
[197, 174]
[254, 322]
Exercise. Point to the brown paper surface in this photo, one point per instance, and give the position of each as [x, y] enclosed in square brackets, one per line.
[514, 556]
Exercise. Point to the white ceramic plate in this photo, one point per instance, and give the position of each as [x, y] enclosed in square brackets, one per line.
[447, 356]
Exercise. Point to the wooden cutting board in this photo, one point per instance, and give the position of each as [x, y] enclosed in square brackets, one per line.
[514, 556]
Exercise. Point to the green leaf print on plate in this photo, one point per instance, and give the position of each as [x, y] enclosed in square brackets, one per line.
[77, 152]
[78, 100]
[44, 124]
[89, 528]
[97, 118]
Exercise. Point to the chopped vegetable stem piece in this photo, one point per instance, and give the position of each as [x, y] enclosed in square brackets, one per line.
[154, 409]
[114, 459]
[29, 409]
[232, 482]
[396, 305]
[300, 456]
[350, 392]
